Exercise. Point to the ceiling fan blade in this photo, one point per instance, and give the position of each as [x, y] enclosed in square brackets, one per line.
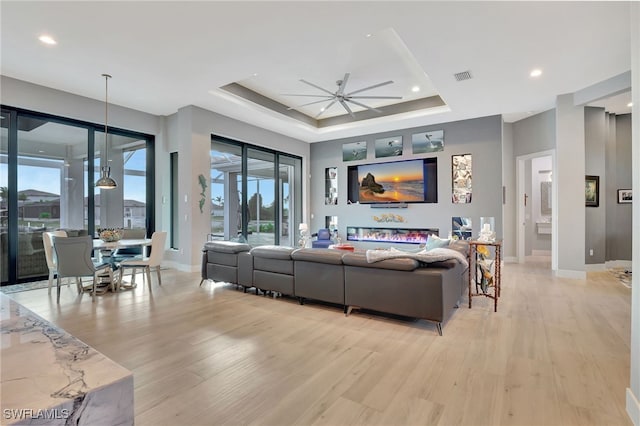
[309, 103]
[343, 84]
[373, 97]
[363, 105]
[370, 87]
[344, 104]
[311, 96]
[325, 108]
[316, 86]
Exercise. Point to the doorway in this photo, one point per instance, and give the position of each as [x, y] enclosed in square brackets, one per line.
[536, 215]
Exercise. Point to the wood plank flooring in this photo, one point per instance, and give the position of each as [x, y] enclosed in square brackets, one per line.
[556, 353]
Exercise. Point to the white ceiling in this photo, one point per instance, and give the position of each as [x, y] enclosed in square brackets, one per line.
[166, 55]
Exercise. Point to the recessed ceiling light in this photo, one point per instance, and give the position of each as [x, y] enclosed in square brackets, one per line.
[255, 74]
[322, 109]
[368, 35]
[415, 89]
[630, 104]
[41, 151]
[536, 73]
[47, 39]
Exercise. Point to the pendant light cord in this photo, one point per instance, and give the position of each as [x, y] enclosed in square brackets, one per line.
[106, 116]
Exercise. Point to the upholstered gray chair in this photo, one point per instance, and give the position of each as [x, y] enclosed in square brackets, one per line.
[73, 255]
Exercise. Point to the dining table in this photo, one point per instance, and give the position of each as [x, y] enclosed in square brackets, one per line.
[107, 248]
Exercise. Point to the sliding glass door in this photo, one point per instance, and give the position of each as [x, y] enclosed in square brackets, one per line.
[47, 172]
[256, 193]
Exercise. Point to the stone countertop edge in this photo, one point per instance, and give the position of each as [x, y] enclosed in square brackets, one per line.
[49, 376]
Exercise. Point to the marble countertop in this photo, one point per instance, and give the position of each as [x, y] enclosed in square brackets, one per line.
[50, 377]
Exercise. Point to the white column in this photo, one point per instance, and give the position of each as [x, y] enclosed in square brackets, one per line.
[570, 173]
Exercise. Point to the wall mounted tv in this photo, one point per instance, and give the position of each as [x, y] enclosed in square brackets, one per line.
[409, 181]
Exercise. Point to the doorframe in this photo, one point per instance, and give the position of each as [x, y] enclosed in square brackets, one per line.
[520, 210]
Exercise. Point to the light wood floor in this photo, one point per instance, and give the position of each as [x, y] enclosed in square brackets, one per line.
[555, 353]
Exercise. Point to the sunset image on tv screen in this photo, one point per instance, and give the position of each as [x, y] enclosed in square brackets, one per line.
[401, 181]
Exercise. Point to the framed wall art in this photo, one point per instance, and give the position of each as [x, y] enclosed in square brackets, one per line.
[389, 147]
[354, 151]
[461, 176]
[625, 196]
[592, 191]
[424, 142]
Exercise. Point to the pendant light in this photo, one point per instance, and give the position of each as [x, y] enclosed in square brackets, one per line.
[105, 181]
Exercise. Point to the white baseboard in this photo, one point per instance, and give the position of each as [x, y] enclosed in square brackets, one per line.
[633, 407]
[568, 273]
[618, 264]
[181, 266]
[595, 267]
[541, 252]
[510, 259]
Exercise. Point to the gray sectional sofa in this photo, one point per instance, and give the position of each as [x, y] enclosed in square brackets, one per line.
[397, 286]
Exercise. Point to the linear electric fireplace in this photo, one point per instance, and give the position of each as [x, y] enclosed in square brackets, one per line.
[390, 235]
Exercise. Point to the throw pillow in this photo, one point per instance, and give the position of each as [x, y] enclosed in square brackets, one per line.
[436, 242]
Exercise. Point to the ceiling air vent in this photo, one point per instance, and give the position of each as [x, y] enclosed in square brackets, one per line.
[464, 75]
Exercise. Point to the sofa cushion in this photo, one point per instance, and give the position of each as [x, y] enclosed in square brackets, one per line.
[433, 241]
[360, 259]
[278, 266]
[273, 252]
[226, 246]
[333, 257]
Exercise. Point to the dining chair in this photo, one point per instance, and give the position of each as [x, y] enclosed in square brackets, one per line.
[127, 253]
[47, 243]
[74, 260]
[158, 240]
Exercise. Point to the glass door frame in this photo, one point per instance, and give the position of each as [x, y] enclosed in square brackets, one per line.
[244, 186]
[92, 129]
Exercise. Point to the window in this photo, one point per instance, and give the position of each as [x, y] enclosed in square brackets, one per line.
[256, 193]
[48, 167]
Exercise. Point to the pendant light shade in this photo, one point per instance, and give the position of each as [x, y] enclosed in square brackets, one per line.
[105, 181]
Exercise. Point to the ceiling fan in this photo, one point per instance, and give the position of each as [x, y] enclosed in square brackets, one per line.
[339, 96]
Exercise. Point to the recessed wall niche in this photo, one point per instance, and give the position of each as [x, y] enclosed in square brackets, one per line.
[331, 185]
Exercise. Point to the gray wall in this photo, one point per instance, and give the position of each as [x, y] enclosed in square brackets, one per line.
[530, 135]
[480, 137]
[595, 164]
[535, 134]
[619, 172]
[193, 126]
[509, 218]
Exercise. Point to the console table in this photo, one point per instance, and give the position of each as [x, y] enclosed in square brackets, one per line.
[474, 267]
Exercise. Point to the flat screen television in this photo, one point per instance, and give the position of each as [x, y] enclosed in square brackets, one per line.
[409, 181]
